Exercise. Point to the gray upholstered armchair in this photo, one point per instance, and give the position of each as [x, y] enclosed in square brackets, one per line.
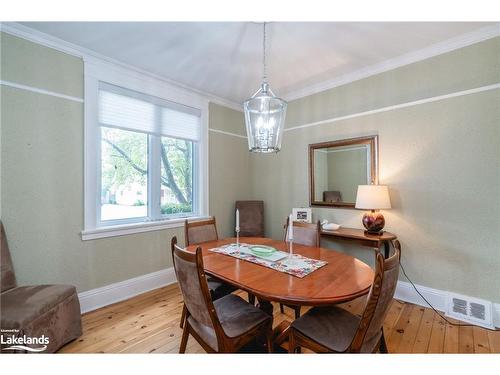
[52, 311]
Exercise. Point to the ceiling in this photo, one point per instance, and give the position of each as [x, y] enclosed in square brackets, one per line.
[225, 58]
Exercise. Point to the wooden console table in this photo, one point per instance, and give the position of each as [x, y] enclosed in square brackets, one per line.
[360, 237]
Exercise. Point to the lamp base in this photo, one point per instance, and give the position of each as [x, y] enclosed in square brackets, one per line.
[374, 233]
[374, 222]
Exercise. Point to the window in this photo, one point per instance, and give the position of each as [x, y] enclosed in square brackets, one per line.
[145, 164]
[124, 174]
[176, 176]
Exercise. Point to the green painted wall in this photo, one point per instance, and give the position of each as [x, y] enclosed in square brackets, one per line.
[37, 66]
[42, 178]
[227, 119]
[474, 66]
[229, 167]
[441, 161]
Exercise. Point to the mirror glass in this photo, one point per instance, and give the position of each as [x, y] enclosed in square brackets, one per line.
[338, 168]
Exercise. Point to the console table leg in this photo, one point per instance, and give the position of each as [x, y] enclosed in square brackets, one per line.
[386, 249]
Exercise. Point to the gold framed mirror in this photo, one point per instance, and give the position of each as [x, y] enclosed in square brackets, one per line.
[336, 168]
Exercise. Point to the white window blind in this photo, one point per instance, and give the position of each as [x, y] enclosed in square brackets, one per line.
[130, 110]
[180, 124]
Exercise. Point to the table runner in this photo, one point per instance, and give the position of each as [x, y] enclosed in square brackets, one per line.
[300, 266]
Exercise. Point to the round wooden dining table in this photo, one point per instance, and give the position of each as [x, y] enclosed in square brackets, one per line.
[343, 279]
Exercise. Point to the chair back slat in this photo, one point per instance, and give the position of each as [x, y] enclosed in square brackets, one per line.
[200, 231]
[306, 234]
[378, 301]
[193, 284]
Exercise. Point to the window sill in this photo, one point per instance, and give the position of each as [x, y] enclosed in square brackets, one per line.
[125, 229]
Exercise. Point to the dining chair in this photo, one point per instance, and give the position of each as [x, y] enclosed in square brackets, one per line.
[221, 326]
[332, 196]
[251, 218]
[306, 234]
[197, 232]
[335, 330]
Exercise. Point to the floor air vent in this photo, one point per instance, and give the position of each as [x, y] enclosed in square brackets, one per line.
[470, 310]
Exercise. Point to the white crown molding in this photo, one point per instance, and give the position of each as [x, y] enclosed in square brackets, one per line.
[460, 41]
[440, 48]
[116, 292]
[61, 45]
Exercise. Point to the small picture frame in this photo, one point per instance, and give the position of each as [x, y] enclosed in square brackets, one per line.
[303, 215]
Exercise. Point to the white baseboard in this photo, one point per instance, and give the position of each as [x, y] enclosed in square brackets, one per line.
[405, 292]
[106, 295]
[436, 297]
[109, 294]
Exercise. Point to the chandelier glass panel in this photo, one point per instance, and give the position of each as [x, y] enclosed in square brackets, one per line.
[264, 115]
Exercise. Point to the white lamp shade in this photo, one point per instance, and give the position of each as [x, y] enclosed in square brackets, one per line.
[373, 197]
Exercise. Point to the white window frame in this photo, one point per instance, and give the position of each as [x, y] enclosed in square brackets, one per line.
[100, 71]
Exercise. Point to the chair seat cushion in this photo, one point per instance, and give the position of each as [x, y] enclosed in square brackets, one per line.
[331, 327]
[236, 317]
[218, 288]
[23, 304]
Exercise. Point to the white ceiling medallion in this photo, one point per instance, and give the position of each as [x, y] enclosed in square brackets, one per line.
[264, 115]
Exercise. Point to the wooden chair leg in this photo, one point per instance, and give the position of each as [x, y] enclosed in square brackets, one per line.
[269, 340]
[297, 312]
[184, 340]
[251, 299]
[291, 342]
[183, 316]
[296, 309]
[383, 344]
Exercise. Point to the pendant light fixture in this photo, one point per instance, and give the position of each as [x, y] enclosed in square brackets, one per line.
[264, 115]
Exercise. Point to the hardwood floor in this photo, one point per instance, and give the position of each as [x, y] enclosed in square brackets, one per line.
[149, 323]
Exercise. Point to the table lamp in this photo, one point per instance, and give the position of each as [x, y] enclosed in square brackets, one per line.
[373, 198]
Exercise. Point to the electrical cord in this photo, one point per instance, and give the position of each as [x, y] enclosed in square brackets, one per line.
[432, 307]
